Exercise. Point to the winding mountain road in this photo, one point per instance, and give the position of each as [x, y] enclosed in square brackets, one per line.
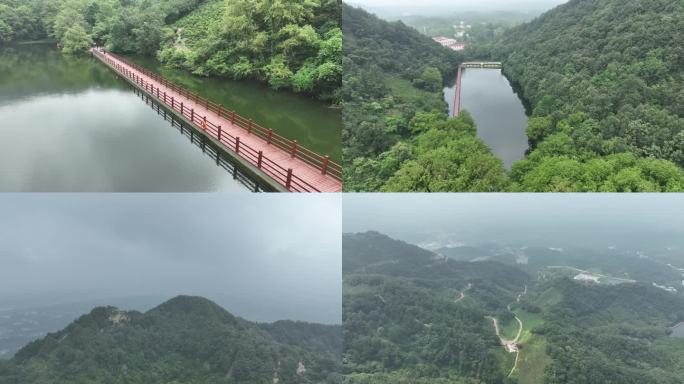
[506, 342]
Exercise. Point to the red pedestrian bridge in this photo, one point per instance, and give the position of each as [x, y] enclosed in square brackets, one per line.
[282, 164]
[459, 76]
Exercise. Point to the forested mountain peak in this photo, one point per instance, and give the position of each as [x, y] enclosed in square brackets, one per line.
[373, 248]
[398, 50]
[186, 337]
[192, 306]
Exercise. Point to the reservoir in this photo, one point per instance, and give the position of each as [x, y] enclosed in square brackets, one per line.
[70, 124]
[498, 112]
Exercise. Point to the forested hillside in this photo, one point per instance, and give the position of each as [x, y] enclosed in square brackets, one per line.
[292, 45]
[605, 79]
[397, 136]
[413, 316]
[185, 340]
[611, 334]
[401, 322]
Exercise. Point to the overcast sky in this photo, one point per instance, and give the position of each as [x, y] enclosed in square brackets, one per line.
[458, 5]
[262, 256]
[635, 220]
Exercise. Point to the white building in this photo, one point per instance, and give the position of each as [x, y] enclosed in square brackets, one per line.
[585, 278]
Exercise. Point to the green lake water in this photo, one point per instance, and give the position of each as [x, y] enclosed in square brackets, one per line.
[498, 112]
[70, 124]
[314, 124]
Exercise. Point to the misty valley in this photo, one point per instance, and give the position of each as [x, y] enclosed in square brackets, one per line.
[23, 321]
[500, 312]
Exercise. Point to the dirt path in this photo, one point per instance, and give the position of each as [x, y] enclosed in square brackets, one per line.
[462, 294]
[515, 365]
[505, 342]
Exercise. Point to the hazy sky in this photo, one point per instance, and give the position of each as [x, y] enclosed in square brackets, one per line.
[458, 5]
[261, 256]
[637, 220]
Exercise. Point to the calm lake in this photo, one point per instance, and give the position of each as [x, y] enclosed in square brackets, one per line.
[69, 124]
[498, 112]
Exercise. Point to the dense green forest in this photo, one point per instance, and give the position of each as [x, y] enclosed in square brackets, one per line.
[606, 83]
[185, 340]
[401, 323]
[414, 316]
[611, 334]
[291, 45]
[604, 80]
[397, 136]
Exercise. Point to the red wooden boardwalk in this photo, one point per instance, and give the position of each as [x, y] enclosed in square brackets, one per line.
[459, 78]
[281, 160]
[457, 95]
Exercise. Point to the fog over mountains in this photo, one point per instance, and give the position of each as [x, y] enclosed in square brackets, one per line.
[642, 222]
[393, 9]
[249, 254]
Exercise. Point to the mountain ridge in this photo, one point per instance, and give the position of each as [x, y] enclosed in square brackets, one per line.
[186, 338]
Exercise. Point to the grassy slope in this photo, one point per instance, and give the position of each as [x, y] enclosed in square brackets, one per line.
[509, 330]
[533, 358]
[403, 89]
[533, 361]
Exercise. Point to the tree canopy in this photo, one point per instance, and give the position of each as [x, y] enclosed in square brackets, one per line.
[605, 80]
[185, 340]
[397, 136]
[292, 45]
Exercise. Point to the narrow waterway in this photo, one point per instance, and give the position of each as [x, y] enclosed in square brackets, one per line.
[69, 124]
[498, 112]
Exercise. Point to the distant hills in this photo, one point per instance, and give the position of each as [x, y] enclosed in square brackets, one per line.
[440, 8]
[415, 316]
[184, 340]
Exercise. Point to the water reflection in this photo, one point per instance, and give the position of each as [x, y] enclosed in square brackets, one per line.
[70, 125]
[312, 123]
[207, 147]
[498, 112]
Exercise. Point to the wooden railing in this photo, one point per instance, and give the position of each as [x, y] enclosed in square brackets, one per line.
[283, 176]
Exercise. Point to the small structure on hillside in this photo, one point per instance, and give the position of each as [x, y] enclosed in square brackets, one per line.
[301, 369]
[512, 347]
[586, 278]
[449, 43]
